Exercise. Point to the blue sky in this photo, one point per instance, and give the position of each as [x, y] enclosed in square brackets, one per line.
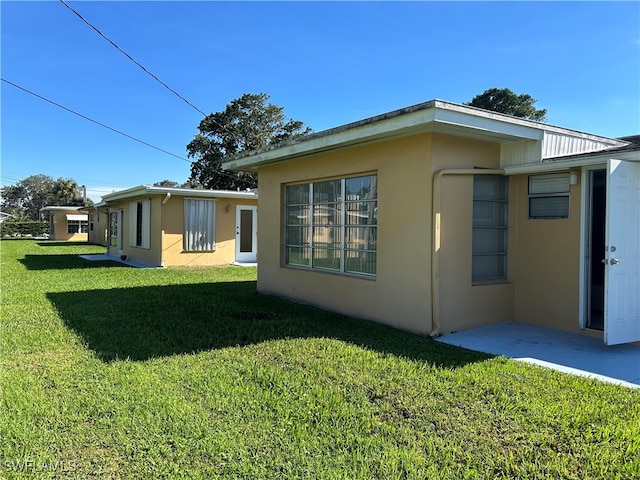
[326, 63]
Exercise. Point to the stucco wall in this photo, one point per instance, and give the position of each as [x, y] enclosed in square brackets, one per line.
[399, 295]
[58, 219]
[151, 255]
[465, 305]
[173, 228]
[548, 263]
[100, 232]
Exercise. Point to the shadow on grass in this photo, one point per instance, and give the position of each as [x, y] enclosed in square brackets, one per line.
[140, 323]
[67, 261]
[54, 243]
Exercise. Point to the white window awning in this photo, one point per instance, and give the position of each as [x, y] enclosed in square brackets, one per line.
[77, 216]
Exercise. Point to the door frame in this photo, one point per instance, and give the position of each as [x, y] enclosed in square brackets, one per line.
[252, 256]
[585, 236]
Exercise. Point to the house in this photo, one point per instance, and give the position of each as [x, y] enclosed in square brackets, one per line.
[66, 222]
[441, 217]
[4, 216]
[161, 226]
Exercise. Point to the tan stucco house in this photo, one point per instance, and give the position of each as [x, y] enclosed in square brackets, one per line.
[66, 222]
[441, 217]
[160, 226]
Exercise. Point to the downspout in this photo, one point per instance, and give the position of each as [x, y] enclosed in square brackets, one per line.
[435, 247]
[166, 198]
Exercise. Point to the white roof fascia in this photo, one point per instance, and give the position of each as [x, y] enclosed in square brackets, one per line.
[432, 116]
[149, 190]
[564, 164]
[60, 208]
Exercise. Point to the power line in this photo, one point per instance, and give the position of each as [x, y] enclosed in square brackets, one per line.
[94, 121]
[133, 59]
[222, 126]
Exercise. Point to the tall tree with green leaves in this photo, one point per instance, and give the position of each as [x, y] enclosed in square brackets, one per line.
[503, 100]
[247, 123]
[28, 196]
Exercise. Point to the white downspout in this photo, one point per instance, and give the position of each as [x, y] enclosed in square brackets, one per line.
[166, 198]
[435, 248]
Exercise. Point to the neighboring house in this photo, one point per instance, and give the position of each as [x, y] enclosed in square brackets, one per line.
[66, 222]
[177, 226]
[4, 216]
[441, 217]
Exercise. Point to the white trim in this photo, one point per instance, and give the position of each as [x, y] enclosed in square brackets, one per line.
[568, 163]
[142, 190]
[79, 217]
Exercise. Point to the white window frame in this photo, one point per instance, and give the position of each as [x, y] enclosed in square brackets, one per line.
[199, 234]
[343, 233]
[140, 239]
[497, 206]
[81, 224]
[549, 187]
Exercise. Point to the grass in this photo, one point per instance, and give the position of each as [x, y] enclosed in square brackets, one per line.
[115, 372]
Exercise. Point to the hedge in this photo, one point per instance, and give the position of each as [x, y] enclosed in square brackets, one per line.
[21, 229]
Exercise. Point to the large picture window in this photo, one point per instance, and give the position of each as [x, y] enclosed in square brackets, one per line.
[490, 228]
[199, 225]
[332, 225]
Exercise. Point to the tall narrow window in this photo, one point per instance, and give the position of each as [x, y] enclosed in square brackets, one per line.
[332, 225]
[140, 224]
[199, 225]
[490, 228]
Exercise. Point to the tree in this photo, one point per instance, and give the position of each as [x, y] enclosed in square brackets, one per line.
[247, 123]
[171, 184]
[503, 100]
[28, 196]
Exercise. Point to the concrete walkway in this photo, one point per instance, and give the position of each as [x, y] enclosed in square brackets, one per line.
[567, 352]
[115, 258]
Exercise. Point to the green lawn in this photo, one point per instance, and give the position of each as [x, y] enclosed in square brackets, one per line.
[115, 372]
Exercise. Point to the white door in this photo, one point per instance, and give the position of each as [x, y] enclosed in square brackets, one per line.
[246, 234]
[622, 255]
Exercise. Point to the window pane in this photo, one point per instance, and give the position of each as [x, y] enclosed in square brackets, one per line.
[297, 256]
[297, 194]
[199, 225]
[361, 188]
[298, 236]
[361, 238]
[551, 183]
[489, 240]
[298, 215]
[549, 207]
[492, 187]
[327, 192]
[490, 233]
[362, 213]
[489, 267]
[489, 213]
[360, 262]
[330, 214]
[328, 258]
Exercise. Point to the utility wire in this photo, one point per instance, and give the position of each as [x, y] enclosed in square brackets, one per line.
[133, 60]
[94, 121]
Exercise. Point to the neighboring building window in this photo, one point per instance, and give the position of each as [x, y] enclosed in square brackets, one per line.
[490, 228]
[199, 225]
[332, 225]
[549, 196]
[77, 226]
[140, 223]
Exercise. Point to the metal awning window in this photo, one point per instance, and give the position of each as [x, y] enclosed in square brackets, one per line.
[77, 217]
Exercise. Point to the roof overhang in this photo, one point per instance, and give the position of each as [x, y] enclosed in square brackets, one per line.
[576, 161]
[61, 208]
[146, 190]
[434, 116]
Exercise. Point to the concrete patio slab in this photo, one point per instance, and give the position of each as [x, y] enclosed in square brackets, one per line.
[103, 257]
[563, 351]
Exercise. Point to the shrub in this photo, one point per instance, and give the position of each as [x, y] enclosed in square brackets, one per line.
[20, 229]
